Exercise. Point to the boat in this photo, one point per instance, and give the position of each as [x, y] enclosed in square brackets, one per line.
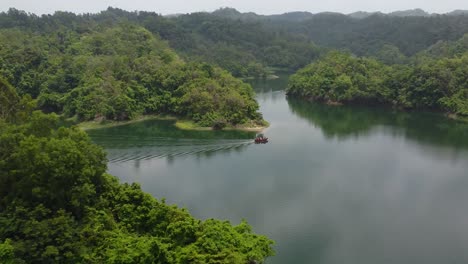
[260, 139]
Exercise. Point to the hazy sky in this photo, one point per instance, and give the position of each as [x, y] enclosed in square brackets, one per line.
[258, 6]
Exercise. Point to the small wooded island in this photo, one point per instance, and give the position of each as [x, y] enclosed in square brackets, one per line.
[57, 202]
[434, 84]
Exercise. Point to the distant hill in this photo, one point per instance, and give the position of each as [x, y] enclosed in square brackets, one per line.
[404, 13]
[292, 16]
[368, 35]
[458, 12]
[413, 13]
[248, 44]
[363, 14]
[363, 33]
[300, 16]
[232, 13]
[173, 15]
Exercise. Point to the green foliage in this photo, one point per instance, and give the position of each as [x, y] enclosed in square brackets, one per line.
[390, 54]
[57, 205]
[9, 100]
[235, 41]
[14, 108]
[7, 252]
[444, 49]
[340, 77]
[217, 99]
[432, 84]
[287, 40]
[118, 73]
[365, 37]
[242, 47]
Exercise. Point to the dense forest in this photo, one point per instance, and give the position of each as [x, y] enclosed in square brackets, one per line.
[245, 48]
[119, 73]
[367, 36]
[247, 44]
[58, 205]
[437, 79]
[66, 60]
[415, 62]
[362, 33]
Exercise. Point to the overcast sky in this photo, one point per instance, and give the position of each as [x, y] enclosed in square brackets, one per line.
[257, 6]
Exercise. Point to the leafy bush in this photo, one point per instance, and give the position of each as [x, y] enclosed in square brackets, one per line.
[57, 205]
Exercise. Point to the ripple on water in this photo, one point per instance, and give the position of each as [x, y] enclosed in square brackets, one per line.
[121, 153]
[156, 139]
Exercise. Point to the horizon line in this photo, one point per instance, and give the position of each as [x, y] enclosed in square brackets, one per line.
[226, 7]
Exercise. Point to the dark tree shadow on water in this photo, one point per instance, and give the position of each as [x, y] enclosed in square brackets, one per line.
[343, 122]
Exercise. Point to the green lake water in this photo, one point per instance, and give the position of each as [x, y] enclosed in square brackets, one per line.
[335, 185]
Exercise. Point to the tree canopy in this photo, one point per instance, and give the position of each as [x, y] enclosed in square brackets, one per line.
[58, 205]
[247, 44]
[438, 84]
[119, 73]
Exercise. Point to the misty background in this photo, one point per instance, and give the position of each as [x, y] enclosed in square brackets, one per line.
[260, 6]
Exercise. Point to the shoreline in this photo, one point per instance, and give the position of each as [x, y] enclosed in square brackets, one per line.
[268, 77]
[190, 125]
[179, 123]
[447, 115]
[456, 117]
[89, 125]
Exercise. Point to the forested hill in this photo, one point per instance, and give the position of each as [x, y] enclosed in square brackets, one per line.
[365, 33]
[58, 204]
[246, 44]
[245, 48]
[299, 16]
[66, 62]
[368, 35]
[116, 71]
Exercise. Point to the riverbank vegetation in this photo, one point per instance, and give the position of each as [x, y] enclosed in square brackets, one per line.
[432, 83]
[58, 204]
[120, 73]
[253, 126]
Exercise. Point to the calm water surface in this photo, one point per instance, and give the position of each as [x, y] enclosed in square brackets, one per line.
[335, 185]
